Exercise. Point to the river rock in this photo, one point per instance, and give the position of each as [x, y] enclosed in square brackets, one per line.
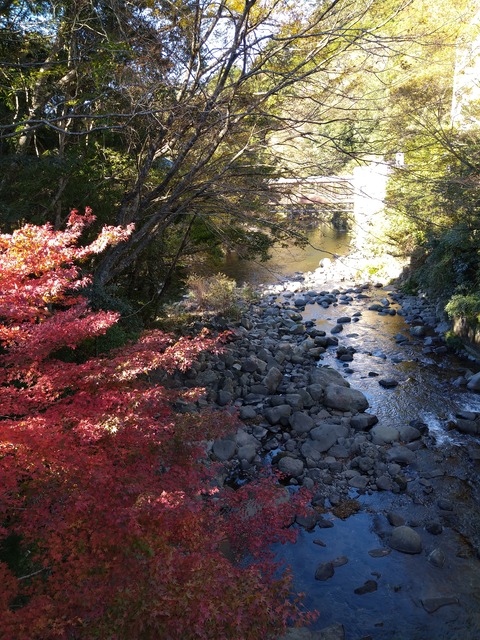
[290, 466]
[273, 379]
[432, 604]
[325, 570]
[388, 383]
[363, 421]
[409, 434]
[247, 452]
[316, 392]
[224, 449]
[247, 412]
[324, 436]
[368, 587]
[436, 557]
[406, 540]
[301, 422]
[324, 376]
[400, 455]
[358, 482]
[471, 427]
[278, 414]
[345, 398]
[224, 397]
[418, 331]
[384, 483]
[434, 527]
[383, 434]
[313, 450]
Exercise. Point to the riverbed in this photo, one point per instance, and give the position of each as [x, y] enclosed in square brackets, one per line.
[432, 595]
[408, 587]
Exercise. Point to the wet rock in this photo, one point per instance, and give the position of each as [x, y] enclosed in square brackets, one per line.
[376, 306]
[471, 427]
[369, 587]
[406, 540]
[343, 320]
[418, 331]
[345, 399]
[395, 520]
[338, 328]
[324, 523]
[432, 604]
[325, 570]
[300, 301]
[434, 528]
[388, 383]
[436, 557]
[340, 561]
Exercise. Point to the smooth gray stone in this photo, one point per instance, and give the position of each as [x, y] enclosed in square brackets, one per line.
[406, 540]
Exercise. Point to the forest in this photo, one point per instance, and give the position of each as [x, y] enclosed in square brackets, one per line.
[169, 123]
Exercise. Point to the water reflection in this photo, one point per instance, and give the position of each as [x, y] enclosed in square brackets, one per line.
[323, 241]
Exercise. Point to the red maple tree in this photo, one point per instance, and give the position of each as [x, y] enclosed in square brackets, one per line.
[112, 523]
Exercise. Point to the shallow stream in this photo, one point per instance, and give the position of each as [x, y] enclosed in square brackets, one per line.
[414, 599]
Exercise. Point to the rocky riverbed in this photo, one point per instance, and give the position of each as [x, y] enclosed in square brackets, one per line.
[287, 376]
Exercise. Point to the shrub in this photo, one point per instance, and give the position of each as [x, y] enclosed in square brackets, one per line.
[216, 293]
[465, 306]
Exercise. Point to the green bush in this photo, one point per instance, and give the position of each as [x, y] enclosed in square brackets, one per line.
[465, 306]
[217, 293]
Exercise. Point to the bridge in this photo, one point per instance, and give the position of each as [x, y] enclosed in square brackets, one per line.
[352, 200]
[326, 195]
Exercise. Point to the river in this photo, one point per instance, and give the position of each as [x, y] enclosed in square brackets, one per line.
[415, 599]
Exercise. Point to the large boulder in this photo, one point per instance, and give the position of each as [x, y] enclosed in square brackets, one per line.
[344, 398]
[324, 376]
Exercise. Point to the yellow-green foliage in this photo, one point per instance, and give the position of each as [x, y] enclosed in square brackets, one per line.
[216, 293]
[467, 306]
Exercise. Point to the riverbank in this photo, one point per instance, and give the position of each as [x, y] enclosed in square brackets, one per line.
[286, 371]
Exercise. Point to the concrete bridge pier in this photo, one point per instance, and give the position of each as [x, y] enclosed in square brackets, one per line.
[369, 191]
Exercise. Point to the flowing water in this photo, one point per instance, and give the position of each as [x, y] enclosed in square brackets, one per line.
[401, 606]
[426, 392]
